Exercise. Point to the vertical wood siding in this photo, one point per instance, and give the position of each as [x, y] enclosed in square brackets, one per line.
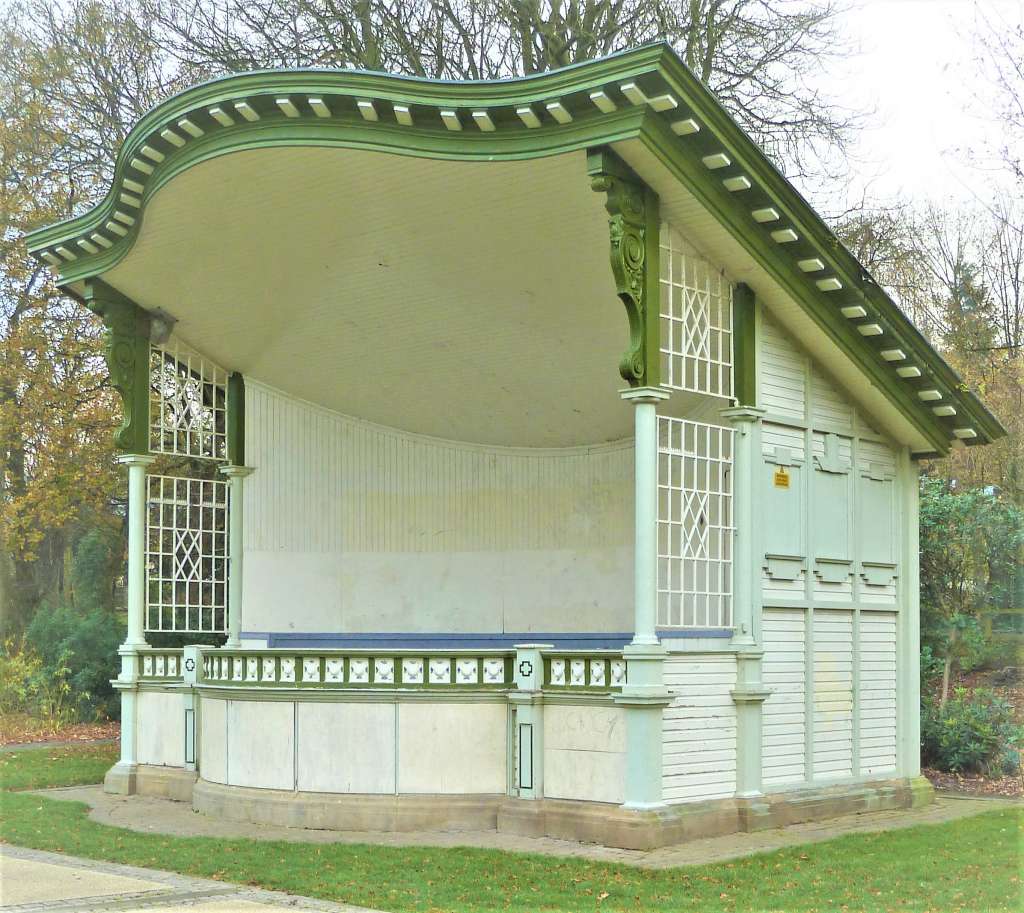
[877, 693]
[784, 721]
[699, 729]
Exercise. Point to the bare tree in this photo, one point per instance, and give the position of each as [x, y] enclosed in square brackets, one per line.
[758, 56]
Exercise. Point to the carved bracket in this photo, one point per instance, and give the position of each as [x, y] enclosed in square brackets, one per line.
[127, 355]
[631, 211]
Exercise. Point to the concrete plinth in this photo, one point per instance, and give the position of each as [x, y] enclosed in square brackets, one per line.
[121, 779]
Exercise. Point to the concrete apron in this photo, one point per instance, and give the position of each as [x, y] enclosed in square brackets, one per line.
[32, 881]
[589, 822]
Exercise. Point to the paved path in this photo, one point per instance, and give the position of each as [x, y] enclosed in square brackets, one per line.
[142, 813]
[56, 743]
[33, 882]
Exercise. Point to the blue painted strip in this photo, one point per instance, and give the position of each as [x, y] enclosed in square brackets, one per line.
[573, 640]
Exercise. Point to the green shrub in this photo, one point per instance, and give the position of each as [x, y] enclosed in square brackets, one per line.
[86, 645]
[97, 555]
[20, 678]
[29, 686]
[972, 733]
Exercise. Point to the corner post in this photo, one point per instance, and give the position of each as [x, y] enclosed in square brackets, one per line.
[528, 702]
[908, 690]
[236, 476]
[749, 694]
[126, 350]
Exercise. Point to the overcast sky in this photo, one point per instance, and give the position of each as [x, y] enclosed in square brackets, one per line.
[913, 63]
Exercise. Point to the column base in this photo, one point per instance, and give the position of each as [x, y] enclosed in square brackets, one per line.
[122, 779]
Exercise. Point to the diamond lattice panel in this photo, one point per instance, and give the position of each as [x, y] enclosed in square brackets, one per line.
[696, 320]
[186, 554]
[694, 524]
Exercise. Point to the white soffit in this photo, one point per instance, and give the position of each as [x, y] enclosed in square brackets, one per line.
[703, 230]
[468, 301]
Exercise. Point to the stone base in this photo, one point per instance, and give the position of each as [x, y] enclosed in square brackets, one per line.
[150, 780]
[121, 779]
[333, 811]
[166, 782]
[613, 825]
[588, 822]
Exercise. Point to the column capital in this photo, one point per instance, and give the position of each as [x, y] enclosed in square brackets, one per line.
[136, 459]
[739, 415]
[236, 472]
[639, 395]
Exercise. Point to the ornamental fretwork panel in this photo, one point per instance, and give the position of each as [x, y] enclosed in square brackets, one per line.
[188, 404]
[696, 320]
[695, 526]
[186, 554]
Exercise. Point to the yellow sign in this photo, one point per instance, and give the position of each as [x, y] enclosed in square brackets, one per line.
[781, 477]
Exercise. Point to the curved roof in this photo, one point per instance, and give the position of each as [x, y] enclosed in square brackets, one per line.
[645, 95]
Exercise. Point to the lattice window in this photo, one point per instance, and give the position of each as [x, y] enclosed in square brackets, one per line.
[694, 524]
[188, 403]
[696, 320]
[186, 554]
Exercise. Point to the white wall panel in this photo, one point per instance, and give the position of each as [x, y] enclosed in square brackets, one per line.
[213, 740]
[699, 729]
[352, 526]
[161, 728]
[833, 693]
[784, 713]
[584, 753]
[261, 744]
[877, 693]
[452, 748]
[346, 747]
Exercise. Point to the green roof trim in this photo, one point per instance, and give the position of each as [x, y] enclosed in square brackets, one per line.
[646, 94]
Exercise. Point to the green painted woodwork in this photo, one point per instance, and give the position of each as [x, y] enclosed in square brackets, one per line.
[656, 69]
[236, 419]
[633, 227]
[126, 349]
[744, 345]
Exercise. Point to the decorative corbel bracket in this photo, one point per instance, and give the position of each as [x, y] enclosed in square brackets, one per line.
[633, 229]
[127, 354]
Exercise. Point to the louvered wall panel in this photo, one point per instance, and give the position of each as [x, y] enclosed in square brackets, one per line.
[877, 693]
[829, 408]
[782, 373]
[784, 720]
[699, 729]
[833, 693]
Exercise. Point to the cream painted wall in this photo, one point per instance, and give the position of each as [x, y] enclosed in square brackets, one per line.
[584, 753]
[352, 527]
[361, 747]
[161, 728]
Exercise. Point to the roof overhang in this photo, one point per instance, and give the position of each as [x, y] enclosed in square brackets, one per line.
[714, 182]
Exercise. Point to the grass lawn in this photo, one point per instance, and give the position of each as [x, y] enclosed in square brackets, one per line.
[969, 865]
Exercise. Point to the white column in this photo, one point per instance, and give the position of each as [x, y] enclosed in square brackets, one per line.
[136, 464]
[645, 480]
[236, 475]
[643, 697]
[749, 694]
[908, 687]
[121, 777]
